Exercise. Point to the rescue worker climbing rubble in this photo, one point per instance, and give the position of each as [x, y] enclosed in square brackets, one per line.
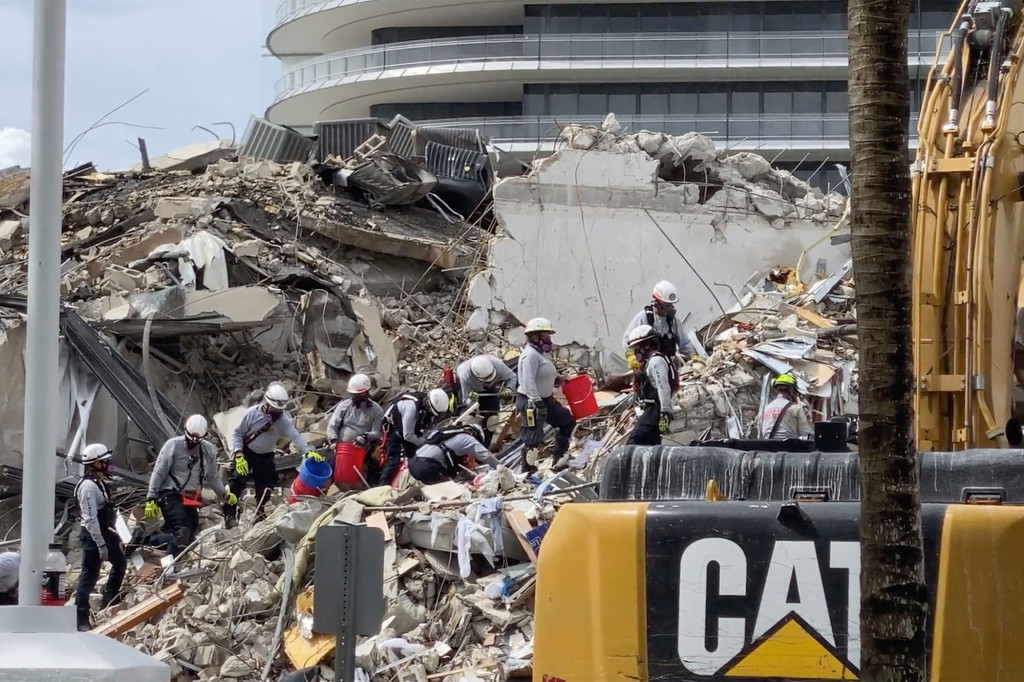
[535, 399]
[100, 542]
[446, 451]
[357, 420]
[184, 465]
[653, 386]
[785, 417]
[10, 564]
[661, 315]
[488, 381]
[406, 420]
[253, 443]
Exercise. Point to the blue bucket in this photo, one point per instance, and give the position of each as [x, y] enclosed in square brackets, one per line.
[313, 473]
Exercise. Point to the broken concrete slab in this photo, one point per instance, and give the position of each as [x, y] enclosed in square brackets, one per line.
[192, 157]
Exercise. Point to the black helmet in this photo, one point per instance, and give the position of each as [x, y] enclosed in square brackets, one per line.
[475, 431]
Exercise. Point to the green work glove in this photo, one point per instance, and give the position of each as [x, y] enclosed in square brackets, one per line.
[506, 393]
[241, 465]
[474, 397]
[631, 360]
[315, 456]
[663, 423]
[152, 510]
[451, 403]
[230, 498]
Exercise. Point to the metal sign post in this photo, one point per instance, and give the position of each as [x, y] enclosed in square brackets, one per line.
[348, 589]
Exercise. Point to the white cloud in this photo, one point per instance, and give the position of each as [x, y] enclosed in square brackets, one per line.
[14, 147]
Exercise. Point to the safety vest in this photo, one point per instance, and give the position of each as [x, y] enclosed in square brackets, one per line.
[646, 391]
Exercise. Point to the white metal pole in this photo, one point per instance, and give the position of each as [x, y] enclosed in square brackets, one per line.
[41, 356]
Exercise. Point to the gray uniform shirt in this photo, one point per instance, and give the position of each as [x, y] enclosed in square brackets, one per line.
[172, 464]
[91, 498]
[796, 423]
[254, 419]
[658, 373]
[461, 445]
[469, 383]
[536, 374]
[684, 347]
[349, 420]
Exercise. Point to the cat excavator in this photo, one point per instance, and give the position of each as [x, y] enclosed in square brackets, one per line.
[715, 563]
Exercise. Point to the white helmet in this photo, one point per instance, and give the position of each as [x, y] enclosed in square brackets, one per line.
[483, 369]
[276, 396]
[641, 334]
[359, 383]
[666, 292]
[437, 399]
[539, 324]
[476, 431]
[95, 452]
[196, 427]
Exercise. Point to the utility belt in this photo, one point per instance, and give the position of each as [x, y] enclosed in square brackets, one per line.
[189, 498]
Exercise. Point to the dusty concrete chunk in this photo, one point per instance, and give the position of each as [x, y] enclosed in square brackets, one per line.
[123, 279]
[235, 667]
[241, 562]
[260, 596]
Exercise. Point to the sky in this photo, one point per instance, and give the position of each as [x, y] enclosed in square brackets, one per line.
[199, 62]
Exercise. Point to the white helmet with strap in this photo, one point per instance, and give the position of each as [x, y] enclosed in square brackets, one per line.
[483, 369]
[276, 396]
[539, 324]
[95, 452]
[666, 292]
[641, 334]
[196, 427]
[437, 400]
[359, 384]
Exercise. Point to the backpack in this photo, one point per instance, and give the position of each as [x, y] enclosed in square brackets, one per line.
[440, 436]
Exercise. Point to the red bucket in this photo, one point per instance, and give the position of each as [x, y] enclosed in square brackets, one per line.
[579, 392]
[348, 463]
[299, 488]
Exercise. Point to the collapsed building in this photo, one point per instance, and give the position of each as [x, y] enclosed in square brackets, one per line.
[187, 286]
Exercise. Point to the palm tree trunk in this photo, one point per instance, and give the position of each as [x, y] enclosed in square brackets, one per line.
[893, 595]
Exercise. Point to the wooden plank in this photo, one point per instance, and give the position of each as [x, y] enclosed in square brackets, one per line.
[140, 613]
[379, 520]
[812, 317]
[519, 524]
[523, 594]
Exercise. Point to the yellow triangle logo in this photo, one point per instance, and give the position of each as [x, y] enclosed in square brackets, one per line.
[790, 651]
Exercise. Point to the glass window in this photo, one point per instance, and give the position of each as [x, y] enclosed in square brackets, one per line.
[776, 102]
[593, 19]
[534, 104]
[806, 17]
[683, 103]
[807, 101]
[654, 103]
[837, 102]
[745, 102]
[623, 20]
[593, 104]
[778, 16]
[717, 18]
[622, 104]
[834, 16]
[713, 103]
[746, 16]
[653, 18]
[563, 103]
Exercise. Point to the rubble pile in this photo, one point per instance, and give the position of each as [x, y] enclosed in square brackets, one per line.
[743, 181]
[459, 576]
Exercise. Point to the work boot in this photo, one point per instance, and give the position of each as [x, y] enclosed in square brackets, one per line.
[83, 621]
[230, 522]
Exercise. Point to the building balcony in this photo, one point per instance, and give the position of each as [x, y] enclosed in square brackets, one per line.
[484, 68]
[794, 137]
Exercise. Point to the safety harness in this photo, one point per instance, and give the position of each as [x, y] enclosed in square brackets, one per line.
[778, 421]
[646, 391]
[440, 438]
[105, 515]
[195, 499]
[668, 342]
[272, 419]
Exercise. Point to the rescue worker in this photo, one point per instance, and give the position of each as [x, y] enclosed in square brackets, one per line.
[357, 419]
[488, 377]
[785, 417]
[10, 564]
[252, 445]
[406, 421]
[534, 400]
[661, 315]
[100, 541]
[445, 451]
[184, 465]
[652, 383]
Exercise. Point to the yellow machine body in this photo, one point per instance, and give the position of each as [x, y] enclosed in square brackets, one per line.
[732, 591]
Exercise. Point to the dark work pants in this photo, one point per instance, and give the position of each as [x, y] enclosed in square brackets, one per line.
[646, 430]
[549, 411]
[181, 523]
[91, 572]
[428, 471]
[395, 449]
[262, 473]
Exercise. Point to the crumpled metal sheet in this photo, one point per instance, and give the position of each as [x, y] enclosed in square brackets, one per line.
[391, 180]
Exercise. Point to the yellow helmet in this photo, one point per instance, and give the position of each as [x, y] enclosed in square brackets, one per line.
[784, 381]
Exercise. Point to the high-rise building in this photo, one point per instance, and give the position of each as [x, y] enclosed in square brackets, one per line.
[765, 76]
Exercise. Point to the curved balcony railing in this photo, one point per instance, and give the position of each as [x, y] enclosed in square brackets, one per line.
[640, 50]
[765, 129]
[286, 8]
